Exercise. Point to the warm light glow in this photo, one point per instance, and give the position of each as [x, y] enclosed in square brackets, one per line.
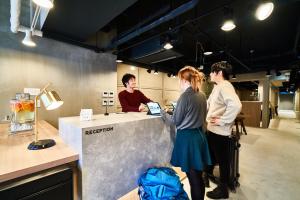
[264, 11]
[155, 72]
[168, 45]
[51, 100]
[28, 40]
[228, 25]
[29, 43]
[132, 68]
[55, 105]
[207, 53]
[44, 3]
[119, 61]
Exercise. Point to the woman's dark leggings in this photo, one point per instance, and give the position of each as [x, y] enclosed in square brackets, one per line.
[196, 184]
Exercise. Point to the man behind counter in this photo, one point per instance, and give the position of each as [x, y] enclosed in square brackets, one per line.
[131, 100]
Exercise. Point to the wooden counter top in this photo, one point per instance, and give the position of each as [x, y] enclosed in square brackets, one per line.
[16, 160]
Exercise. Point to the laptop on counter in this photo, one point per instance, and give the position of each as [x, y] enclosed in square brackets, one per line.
[154, 108]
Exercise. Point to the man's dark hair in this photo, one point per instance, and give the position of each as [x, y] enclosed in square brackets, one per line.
[223, 66]
[126, 78]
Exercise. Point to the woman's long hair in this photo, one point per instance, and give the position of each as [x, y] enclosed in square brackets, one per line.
[193, 76]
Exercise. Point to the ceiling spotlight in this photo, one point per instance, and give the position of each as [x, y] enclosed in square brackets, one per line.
[119, 61]
[173, 76]
[233, 76]
[155, 71]
[264, 10]
[132, 68]
[149, 71]
[169, 75]
[168, 45]
[228, 25]
[28, 40]
[207, 53]
[44, 3]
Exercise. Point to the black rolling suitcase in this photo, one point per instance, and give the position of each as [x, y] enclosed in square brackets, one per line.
[234, 162]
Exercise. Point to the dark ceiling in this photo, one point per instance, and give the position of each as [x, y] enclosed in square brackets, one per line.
[116, 26]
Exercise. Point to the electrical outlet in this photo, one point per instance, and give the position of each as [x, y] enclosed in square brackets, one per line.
[104, 102]
[111, 102]
[105, 94]
[111, 94]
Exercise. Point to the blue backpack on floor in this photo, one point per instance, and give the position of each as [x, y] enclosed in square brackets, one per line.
[161, 183]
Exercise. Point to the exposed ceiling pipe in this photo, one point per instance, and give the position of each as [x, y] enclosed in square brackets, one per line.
[160, 12]
[297, 38]
[176, 27]
[220, 46]
[15, 10]
[171, 15]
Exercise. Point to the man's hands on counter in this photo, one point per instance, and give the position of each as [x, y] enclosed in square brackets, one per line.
[141, 108]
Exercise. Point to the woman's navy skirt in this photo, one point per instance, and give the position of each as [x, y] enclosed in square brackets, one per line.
[190, 150]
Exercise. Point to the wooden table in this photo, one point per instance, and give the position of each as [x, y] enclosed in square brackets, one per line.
[17, 161]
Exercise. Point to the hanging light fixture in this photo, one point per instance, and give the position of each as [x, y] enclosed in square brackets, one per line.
[155, 72]
[119, 61]
[167, 42]
[207, 53]
[264, 10]
[268, 74]
[233, 76]
[28, 40]
[228, 24]
[201, 56]
[132, 68]
[149, 71]
[168, 46]
[44, 3]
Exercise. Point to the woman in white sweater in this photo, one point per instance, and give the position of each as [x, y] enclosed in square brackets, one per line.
[223, 107]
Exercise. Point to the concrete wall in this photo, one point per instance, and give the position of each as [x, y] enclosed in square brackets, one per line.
[274, 96]
[297, 104]
[78, 75]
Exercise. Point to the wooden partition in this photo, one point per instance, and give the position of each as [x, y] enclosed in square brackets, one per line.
[252, 113]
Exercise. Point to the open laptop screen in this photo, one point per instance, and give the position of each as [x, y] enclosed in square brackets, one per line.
[154, 108]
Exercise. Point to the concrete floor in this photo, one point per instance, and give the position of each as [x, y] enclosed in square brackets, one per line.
[269, 162]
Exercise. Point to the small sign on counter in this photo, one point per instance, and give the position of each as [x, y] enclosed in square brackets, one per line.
[86, 114]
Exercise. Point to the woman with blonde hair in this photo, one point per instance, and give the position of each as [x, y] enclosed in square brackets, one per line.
[190, 149]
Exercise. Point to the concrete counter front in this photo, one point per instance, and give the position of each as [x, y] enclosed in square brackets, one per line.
[114, 150]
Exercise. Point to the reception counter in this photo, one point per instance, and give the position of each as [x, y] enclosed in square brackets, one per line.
[114, 150]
